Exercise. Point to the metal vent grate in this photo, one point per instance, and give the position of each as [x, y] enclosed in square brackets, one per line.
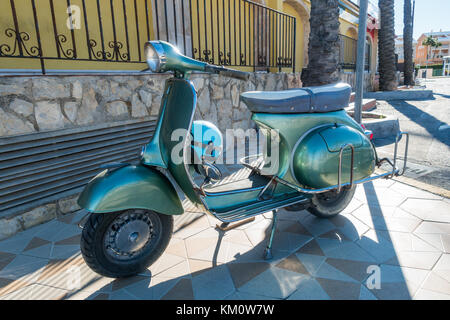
[40, 167]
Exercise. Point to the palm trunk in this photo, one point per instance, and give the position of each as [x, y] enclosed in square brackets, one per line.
[386, 46]
[407, 43]
[323, 48]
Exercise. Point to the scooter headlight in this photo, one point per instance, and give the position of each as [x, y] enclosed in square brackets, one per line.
[155, 56]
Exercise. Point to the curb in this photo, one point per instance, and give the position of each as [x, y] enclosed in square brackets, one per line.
[421, 185]
[383, 128]
[409, 94]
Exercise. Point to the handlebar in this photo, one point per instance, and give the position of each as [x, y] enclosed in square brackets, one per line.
[241, 75]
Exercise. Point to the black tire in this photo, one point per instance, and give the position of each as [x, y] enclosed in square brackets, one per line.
[97, 256]
[330, 204]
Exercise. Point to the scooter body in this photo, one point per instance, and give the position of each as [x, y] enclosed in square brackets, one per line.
[318, 153]
[145, 187]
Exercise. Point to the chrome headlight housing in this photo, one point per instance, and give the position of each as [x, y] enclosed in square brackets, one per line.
[155, 56]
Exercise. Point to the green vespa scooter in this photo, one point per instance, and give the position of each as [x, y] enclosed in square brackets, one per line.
[322, 155]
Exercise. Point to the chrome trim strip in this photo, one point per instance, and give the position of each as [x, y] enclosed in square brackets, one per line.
[313, 191]
[242, 216]
[214, 194]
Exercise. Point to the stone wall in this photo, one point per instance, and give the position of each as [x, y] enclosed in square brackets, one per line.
[35, 104]
[46, 103]
[370, 80]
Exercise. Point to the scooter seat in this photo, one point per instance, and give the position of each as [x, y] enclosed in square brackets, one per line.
[325, 98]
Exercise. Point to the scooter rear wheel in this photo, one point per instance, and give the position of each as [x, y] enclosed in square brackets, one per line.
[123, 244]
[331, 203]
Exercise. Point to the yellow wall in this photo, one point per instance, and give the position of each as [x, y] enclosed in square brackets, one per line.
[299, 46]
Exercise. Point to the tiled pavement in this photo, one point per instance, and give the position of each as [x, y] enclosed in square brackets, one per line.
[403, 231]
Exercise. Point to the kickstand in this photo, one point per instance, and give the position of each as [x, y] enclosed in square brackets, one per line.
[268, 252]
[225, 226]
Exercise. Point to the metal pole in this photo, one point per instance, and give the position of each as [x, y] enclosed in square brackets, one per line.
[361, 48]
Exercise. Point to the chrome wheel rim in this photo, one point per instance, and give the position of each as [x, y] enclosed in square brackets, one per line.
[131, 233]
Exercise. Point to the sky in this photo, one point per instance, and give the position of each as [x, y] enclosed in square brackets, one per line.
[429, 15]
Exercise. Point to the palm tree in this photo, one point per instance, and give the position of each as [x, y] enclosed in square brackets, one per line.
[386, 46]
[432, 43]
[408, 42]
[323, 48]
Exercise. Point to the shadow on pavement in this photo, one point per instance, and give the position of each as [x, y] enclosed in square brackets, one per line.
[423, 119]
[326, 266]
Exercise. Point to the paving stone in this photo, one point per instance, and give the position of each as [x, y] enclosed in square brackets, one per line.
[402, 282]
[74, 240]
[340, 290]
[423, 294]
[387, 218]
[317, 226]
[36, 292]
[247, 296]
[65, 251]
[311, 262]
[241, 273]
[100, 296]
[23, 267]
[436, 240]
[214, 284]
[309, 289]
[311, 247]
[328, 271]
[412, 192]
[429, 210]
[181, 291]
[415, 259]
[433, 228]
[436, 283]
[125, 282]
[355, 269]
[292, 263]
[5, 259]
[442, 267]
[122, 295]
[165, 262]
[35, 243]
[274, 282]
[344, 250]
[365, 294]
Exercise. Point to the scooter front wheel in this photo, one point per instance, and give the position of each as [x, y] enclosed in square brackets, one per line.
[331, 203]
[123, 244]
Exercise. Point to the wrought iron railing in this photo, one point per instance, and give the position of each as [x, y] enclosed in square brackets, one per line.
[223, 32]
[347, 53]
[242, 33]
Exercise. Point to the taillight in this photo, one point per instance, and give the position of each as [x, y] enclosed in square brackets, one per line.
[368, 133]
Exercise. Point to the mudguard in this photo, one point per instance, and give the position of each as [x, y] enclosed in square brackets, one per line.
[130, 187]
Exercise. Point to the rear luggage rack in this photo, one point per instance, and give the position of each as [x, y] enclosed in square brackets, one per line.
[395, 172]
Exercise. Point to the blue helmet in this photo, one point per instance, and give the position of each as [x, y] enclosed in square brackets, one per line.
[207, 141]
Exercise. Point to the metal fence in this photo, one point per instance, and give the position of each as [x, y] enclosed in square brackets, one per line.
[347, 53]
[242, 33]
[222, 32]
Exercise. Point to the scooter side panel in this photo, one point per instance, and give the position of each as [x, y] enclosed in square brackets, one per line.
[130, 187]
[292, 127]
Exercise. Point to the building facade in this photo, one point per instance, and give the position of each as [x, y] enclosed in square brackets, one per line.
[426, 55]
[399, 51]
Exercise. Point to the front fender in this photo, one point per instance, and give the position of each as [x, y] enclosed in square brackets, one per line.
[130, 187]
